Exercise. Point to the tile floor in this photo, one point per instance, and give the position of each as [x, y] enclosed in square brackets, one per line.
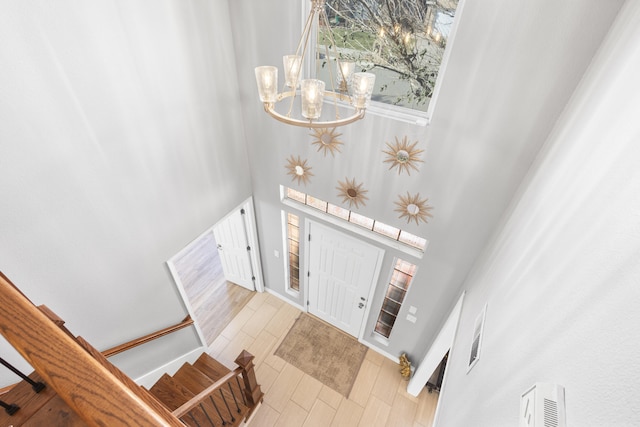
[294, 399]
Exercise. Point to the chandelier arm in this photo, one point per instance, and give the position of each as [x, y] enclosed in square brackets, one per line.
[302, 42]
[306, 30]
[323, 16]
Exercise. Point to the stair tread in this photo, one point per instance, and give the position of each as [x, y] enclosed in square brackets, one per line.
[211, 367]
[28, 400]
[54, 413]
[170, 392]
[192, 378]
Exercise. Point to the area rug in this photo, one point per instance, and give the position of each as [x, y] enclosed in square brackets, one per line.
[324, 352]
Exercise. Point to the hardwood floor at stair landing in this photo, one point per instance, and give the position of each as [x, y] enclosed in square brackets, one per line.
[215, 301]
[294, 399]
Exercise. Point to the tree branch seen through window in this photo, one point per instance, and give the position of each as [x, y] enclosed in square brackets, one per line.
[401, 41]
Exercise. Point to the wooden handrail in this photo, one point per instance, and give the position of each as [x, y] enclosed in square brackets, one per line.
[119, 348]
[94, 393]
[198, 398]
[188, 321]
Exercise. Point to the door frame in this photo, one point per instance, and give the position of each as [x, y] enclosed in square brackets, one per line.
[252, 239]
[374, 281]
[441, 345]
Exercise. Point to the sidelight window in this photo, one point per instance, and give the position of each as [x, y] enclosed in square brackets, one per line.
[401, 278]
[293, 251]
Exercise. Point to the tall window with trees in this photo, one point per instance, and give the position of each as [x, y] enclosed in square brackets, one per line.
[401, 41]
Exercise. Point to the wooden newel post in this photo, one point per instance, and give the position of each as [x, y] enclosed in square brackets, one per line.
[251, 387]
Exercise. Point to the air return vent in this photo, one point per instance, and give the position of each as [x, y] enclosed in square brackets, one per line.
[543, 406]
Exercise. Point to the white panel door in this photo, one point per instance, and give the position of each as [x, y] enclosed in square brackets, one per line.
[342, 270]
[231, 238]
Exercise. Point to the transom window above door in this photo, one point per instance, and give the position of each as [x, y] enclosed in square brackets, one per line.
[370, 224]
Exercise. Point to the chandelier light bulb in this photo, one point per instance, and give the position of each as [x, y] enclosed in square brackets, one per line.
[267, 79]
[345, 73]
[292, 67]
[362, 89]
[312, 97]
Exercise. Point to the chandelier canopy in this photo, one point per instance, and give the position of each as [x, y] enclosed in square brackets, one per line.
[350, 91]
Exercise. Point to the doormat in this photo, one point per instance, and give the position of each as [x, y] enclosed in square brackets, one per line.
[324, 352]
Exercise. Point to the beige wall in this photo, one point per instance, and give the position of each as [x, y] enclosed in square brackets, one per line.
[120, 141]
[561, 281]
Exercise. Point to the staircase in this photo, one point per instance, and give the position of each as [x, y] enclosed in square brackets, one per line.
[82, 388]
[225, 406]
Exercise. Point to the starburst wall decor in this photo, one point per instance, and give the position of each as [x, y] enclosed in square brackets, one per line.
[327, 141]
[352, 193]
[403, 155]
[298, 169]
[413, 208]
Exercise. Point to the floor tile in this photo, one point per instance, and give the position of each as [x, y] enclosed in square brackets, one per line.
[307, 392]
[292, 415]
[375, 413]
[348, 414]
[320, 415]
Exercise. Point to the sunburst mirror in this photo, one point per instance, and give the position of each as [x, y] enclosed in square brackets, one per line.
[327, 141]
[352, 193]
[403, 155]
[413, 208]
[299, 170]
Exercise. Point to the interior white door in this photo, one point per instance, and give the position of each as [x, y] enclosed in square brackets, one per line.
[342, 270]
[231, 238]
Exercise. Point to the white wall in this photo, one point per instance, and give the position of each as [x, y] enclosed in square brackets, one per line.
[562, 279]
[512, 69]
[120, 141]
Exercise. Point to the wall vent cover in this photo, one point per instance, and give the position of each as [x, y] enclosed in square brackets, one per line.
[543, 406]
[550, 413]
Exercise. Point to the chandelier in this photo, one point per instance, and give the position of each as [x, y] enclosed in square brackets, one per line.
[350, 92]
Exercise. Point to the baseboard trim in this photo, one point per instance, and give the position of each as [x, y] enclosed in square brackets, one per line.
[373, 347]
[287, 300]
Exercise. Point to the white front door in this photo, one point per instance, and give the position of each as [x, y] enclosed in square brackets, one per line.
[231, 238]
[342, 271]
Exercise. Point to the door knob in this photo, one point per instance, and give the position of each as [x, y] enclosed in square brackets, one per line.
[360, 305]
[220, 246]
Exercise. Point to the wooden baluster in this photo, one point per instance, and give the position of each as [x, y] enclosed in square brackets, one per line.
[252, 390]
